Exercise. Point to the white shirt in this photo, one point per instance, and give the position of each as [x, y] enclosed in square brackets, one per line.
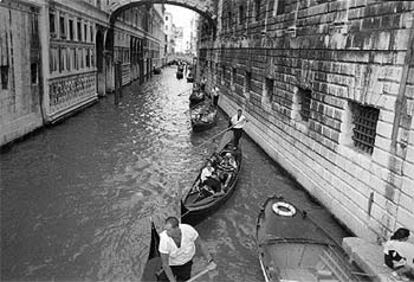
[241, 122]
[404, 249]
[206, 172]
[182, 255]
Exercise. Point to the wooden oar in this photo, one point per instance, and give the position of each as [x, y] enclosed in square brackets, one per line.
[215, 136]
[211, 266]
[184, 92]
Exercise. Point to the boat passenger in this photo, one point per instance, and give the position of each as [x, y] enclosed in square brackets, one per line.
[399, 255]
[228, 164]
[209, 178]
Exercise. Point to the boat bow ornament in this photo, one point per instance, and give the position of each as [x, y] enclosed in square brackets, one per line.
[203, 7]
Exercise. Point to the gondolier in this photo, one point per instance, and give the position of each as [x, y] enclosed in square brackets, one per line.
[216, 96]
[238, 121]
[177, 248]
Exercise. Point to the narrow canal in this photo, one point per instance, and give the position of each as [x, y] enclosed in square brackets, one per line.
[76, 199]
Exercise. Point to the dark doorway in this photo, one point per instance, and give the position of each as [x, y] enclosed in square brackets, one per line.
[100, 75]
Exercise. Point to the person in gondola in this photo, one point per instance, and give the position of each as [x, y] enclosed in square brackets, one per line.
[228, 165]
[209, 178]
[177, 248]
[238, 121]
[399, 254]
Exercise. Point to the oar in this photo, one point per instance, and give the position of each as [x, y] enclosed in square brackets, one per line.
[215, 136]
[211, 266]
[218, 134]
[184, 92]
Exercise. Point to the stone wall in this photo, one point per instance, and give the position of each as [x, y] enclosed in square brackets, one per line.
[20, 71]
[327, 88]
[55, 54]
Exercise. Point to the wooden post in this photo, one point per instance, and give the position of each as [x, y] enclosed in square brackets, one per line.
[118, 82]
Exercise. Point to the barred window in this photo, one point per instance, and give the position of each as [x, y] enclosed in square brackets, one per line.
[257, 10]
[305, 96]
[280, 7]
[365, 120]
[269, 90]
[247, 81]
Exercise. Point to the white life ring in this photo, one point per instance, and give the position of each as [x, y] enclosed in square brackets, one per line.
[287, 209]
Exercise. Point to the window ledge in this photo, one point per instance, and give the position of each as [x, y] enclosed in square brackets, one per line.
[353, 153]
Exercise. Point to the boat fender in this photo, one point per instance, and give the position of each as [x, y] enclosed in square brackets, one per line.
[284, 209]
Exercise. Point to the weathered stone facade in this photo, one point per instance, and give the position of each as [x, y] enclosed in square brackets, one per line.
[56, 57]
[328, 87]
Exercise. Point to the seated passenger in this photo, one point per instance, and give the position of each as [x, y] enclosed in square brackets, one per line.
[399, 254]
[207, 171]
[229, 165]
[209, 178]
[228, 162]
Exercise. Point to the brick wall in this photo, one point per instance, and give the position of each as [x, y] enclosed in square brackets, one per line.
[351, 56]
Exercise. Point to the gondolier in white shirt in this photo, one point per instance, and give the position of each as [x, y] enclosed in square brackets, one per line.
[238, 121]
[177, 248]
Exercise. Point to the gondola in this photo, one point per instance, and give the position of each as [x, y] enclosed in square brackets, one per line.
[200, 201]
[153, 266]
[292, 247]
[157, 70]
[190, 77]
[196, 97]
[179, 74]
[203, 116]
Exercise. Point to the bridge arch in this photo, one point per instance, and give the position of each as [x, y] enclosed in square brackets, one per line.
[203, 7]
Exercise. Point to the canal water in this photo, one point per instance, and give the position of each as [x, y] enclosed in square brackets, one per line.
[77, 199]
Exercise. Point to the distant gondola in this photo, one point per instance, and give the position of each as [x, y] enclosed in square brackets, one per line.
[154, 265]
[203, 116]
[292, 247]
[180, 71]
[190, 77]
[199, 201]
[196, 97]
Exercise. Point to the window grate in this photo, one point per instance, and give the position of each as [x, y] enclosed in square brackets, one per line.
[305, 101]
[365, 124]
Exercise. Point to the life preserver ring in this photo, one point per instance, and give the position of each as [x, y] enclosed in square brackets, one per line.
[284, 209]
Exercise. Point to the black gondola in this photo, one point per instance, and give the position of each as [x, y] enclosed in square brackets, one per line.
[180, 71]
[199, 201]
[179, 74]
[197, 96]
[292, 247]
[203, 116]
[190, 77]
[153, 265]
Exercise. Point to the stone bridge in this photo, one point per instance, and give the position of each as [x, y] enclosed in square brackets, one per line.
[189, 59]
[203, 7]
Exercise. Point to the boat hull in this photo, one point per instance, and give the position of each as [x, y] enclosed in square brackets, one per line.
[154, 265]
[292, 247]
[193, 212]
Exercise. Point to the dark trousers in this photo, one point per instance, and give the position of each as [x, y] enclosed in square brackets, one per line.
[237, 132]
[181, 272]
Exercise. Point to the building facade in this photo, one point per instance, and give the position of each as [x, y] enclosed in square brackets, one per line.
[71, 57]
[328, 87]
